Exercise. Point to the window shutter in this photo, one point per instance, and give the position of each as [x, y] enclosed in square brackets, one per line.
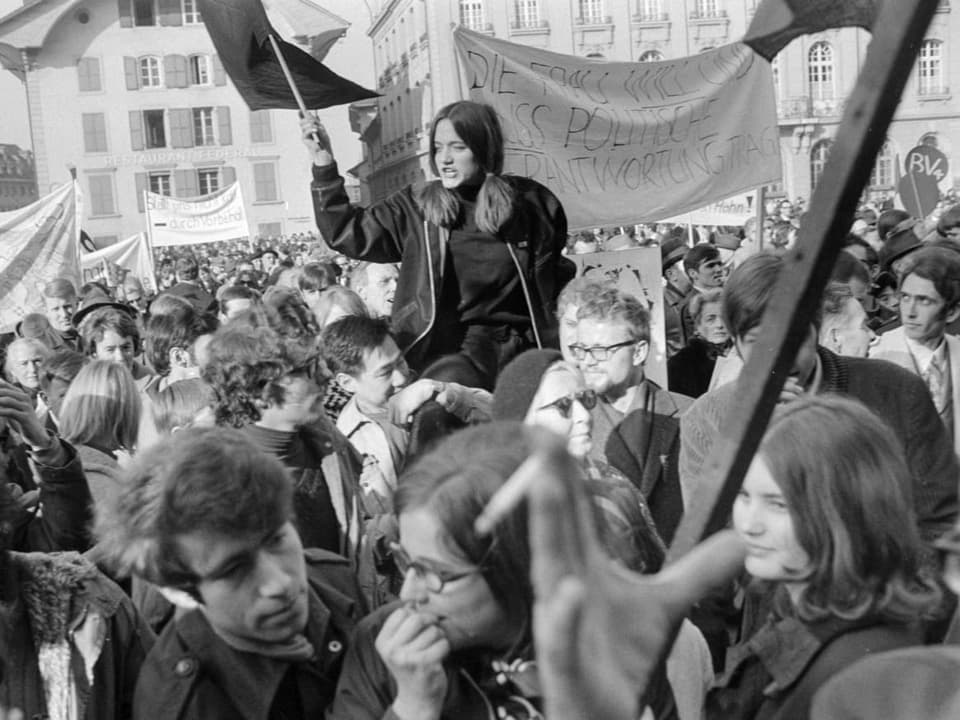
[88, 74]
[181, 127]
[140, 182]
[175, 71]
[228, 175]
[136, 130]
[186, 183]
[126, 16]
[170, 12]
[132, 73]
[223, 123]
[219, 74]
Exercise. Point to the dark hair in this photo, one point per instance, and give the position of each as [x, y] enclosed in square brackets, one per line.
[63, 364]
[179, 328]
[883, 281]
[317, 276]
[748, 291]
[949, 220]
[245, 366]
[479, 128]
[455, 493]
[851, 240]
[209, 479]
[236, 292]
[699, 254]
[848, 268]
[608, 302]
[289, 315]
[98, 322]
[347, 340]
[939, 265]
[888, 220]
[187, 268]
[844, 477]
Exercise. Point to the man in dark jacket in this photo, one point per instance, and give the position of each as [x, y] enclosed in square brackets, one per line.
[262, 625]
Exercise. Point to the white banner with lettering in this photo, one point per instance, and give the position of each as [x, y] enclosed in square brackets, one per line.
[191, 221]
[131, 256]
[38, 243]
[627, 142]
[731, 212]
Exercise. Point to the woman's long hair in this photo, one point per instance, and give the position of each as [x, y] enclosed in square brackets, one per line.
[456, 493]
[477, 125]
[102, 404]
[845, 480]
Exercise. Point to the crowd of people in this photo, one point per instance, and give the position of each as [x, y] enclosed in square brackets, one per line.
[286, 486]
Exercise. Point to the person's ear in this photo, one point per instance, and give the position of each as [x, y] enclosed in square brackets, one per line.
[180, 597]
[953, 313]
[640, 352]
[347, 382]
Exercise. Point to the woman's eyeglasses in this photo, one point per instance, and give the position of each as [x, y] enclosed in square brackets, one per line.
[564, 405]
[433, 578]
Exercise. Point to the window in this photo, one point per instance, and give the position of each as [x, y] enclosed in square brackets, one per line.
[144, 13]
[707, 9]
[208, 180]
[101, 195]
[820, 71]
[528, 13]
[930, 68]
[651, 56]
[651, 10]
[159, 183]
[471, 14]
[191, 13]
[88, 75]
[261, 129]
[199, 70]
[94, 132]
[149, 71]
[591, 11]
[203, 133]
[265, 182]
[882, 174]
[818, 161]
[154, 135]
[269, 230]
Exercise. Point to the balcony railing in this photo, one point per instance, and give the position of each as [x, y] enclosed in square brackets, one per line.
[661, 17]
[718, 14]
[529, 25]
[595, 20]
[804, 106]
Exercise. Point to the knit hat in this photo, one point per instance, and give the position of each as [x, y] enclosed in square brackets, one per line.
[519, 382]
[672, 251]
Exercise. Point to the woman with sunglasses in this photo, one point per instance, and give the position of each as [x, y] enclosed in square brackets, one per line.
[459, 644]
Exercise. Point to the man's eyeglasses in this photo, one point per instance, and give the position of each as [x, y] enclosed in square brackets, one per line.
[598, 352]
[564, 405]
[433, 578]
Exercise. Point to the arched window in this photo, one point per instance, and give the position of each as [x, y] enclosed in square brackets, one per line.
[651, 56]
[651, 10]
[471, 14]
[149, 71]
[930, 68]
[820, 71]
[882, 174]
[818, 161]
[708, 8]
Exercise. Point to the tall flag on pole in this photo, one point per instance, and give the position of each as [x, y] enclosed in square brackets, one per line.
[777, 22]
[240, 30]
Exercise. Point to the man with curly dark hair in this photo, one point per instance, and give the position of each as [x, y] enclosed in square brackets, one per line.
[271, 388]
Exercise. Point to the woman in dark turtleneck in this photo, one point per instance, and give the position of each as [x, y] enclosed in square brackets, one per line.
[479, 252]
[690, 370]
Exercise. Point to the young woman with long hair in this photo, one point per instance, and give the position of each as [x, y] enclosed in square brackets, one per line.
[479, 251]
[826, 516]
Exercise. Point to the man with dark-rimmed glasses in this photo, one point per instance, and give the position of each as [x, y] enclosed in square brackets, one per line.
[636, 423]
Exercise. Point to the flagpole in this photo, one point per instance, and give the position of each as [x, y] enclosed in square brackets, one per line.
[290, 81]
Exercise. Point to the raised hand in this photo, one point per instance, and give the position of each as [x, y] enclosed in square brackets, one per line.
[316, 139]
[601, 630]
[17, 410]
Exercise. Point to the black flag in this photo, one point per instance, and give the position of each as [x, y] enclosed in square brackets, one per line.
[240, 32]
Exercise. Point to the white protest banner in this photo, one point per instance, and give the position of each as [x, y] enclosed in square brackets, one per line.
[635, 271]
[621, 143]
[732, 212]
[190, 221]
[132, 255]
[37, 244]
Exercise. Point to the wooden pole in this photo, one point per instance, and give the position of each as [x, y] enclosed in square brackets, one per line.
[287, 74]
[898, 31]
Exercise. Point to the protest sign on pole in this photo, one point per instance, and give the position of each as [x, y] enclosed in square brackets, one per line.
[38, 243]
[190, 221]
[619, 142]
[635, 271]
[132, 255]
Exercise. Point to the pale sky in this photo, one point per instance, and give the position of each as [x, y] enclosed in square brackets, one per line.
[352, 57]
